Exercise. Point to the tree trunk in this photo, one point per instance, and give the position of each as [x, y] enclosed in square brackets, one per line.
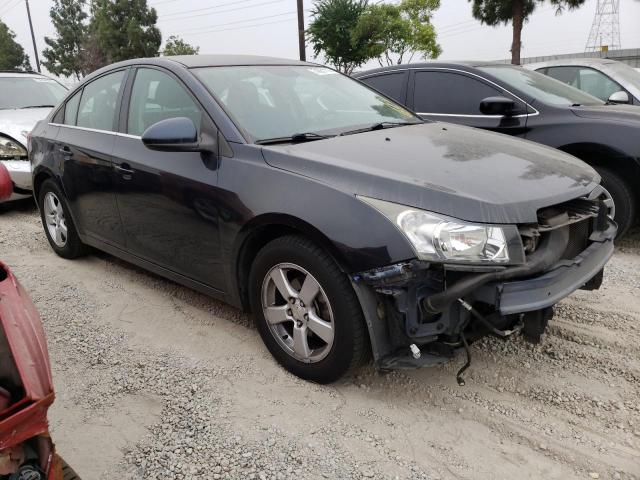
[516, 45]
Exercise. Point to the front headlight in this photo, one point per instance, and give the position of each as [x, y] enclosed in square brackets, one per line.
[10, 149]
[439, 238]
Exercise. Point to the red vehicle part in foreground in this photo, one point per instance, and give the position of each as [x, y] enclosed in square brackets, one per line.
[26, 388]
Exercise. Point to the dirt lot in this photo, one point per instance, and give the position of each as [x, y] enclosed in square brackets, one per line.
[156, 381]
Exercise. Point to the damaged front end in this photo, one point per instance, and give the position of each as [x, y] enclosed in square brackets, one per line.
[26, 389]
[421, 313]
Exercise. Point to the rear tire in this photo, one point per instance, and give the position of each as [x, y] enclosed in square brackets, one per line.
[342, 342]
[57, 222]
[623, 198]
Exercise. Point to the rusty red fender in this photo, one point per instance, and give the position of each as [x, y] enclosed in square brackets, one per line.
[6, 185]
[23, 330]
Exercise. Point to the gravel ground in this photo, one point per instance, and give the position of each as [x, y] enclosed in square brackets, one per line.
[155, 381]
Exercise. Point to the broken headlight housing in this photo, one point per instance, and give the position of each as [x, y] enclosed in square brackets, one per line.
[10, 149]
[444, 239]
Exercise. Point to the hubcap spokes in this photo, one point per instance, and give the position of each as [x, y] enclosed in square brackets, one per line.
[54, 217]
[298, 312]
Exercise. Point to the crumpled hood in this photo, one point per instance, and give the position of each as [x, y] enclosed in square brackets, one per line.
[453, 170]
[18, 123]
[619, 113]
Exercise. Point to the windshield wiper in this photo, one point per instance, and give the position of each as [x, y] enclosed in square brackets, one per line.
[378, 126]
[38, 106]
[295, 138]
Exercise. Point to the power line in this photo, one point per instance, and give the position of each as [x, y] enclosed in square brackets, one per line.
[471, 28]
[243, 27]
[210, 27]
[165, 1]
[227, 10]
[8, 9]
[215, 7]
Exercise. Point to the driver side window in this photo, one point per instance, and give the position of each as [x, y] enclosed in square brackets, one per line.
[158, 96]
[453, 93]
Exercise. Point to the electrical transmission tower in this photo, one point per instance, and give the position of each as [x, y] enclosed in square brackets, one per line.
[605, 30]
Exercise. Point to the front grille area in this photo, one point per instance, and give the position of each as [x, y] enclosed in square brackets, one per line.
[578, 239]
[582, 216]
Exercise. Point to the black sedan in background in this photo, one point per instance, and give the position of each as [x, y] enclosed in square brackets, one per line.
[343, 221]
[515, 101]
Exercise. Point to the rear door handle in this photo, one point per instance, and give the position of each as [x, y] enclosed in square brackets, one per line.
[125, 170]
[66, 151]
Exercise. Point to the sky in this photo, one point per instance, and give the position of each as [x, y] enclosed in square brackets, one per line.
[269, 27]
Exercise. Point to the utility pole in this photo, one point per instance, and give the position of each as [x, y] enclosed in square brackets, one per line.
[33, 37]
[301, 45]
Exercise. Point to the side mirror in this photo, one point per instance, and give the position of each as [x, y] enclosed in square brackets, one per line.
[6, 185]
[497, 106]
[619, 97]
[172, 135]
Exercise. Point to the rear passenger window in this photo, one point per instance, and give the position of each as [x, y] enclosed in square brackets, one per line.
[391, 84]
[158, 96]
[98, 103]
[71, 109]
[452, 93]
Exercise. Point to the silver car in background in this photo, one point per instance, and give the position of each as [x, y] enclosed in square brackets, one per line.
[25, 99]
[606, 79]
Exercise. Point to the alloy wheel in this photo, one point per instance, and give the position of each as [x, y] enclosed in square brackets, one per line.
[298, 312]
[54, 217]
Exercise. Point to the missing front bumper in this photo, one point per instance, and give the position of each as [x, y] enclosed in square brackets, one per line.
[392, 300]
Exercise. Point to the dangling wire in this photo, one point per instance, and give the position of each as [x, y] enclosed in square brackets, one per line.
[467, 364]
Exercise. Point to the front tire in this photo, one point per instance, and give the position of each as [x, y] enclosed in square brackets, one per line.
[306, 310]
[57, 222]
[623, 198]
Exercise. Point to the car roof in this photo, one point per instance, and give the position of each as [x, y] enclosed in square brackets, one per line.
[194, 61]
[465, 64]
[587, 62]
[197, 61]
[17, 73]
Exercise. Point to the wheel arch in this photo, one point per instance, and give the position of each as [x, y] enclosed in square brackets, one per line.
[600, 155]
[39, 178]
[265, 228]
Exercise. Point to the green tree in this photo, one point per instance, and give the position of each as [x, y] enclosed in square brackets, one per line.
[12, 56]
[64, 55]
[122, 29]
[177, 46]
[331, 33]
[393, 31]
[494, 12]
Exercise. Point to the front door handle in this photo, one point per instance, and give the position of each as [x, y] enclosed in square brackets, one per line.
[125, 170]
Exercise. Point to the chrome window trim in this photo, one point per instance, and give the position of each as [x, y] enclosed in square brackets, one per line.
[95, 130]
[536, 112]
[473, 116]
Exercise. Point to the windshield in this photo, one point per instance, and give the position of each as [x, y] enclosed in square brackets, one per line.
[282, 101]
[541, 87]
[25, 92]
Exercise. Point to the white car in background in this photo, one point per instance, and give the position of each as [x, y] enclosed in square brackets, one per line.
[606, 79]
[25, 99]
